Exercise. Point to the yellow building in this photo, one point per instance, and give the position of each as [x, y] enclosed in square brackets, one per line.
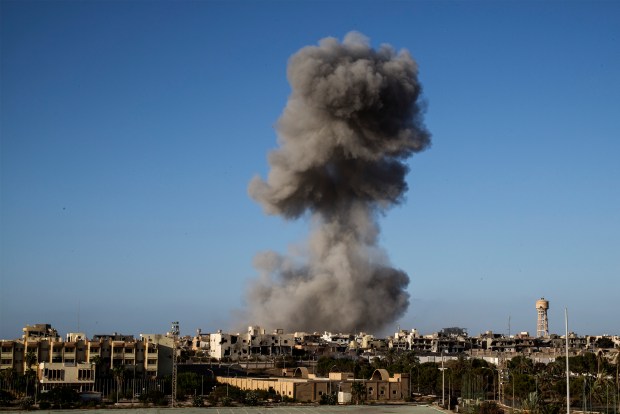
[304, 387]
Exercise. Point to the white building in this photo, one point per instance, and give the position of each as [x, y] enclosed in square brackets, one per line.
[253, 344]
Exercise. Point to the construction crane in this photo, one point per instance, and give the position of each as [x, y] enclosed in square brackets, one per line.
[174, 332]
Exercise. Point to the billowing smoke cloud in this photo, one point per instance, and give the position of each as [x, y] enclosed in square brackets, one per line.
[352, 119]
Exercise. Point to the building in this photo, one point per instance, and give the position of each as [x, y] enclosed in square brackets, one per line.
[78, 361]
[302, 386]
[254, 343]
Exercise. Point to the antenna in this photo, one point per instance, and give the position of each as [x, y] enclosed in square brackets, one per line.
[175, 334]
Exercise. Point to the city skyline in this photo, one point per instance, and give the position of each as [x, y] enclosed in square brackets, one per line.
[130, 132]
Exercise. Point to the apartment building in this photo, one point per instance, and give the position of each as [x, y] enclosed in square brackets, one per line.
[255, 342]
[78, 361]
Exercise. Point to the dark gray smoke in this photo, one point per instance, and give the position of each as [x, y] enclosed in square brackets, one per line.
[352, 119]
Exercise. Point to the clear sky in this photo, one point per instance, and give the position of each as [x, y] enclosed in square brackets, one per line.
[131, 129]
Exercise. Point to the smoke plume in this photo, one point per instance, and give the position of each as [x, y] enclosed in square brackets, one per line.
[352, 119]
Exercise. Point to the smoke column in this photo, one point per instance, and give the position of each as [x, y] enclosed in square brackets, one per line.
[352, 119]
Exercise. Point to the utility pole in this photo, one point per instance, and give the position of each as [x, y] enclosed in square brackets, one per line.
[175, 334]
[443, 383]
[443, 380]
[567, 367]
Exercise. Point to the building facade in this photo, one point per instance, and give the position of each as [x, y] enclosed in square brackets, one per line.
[78, 361]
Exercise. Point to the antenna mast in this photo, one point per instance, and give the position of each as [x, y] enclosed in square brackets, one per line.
[175, 334]
[508, 326]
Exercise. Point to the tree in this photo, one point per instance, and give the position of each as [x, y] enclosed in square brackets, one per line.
[604, 342]
[521, 364]
[98, 361]
[358, 391]
[61, 397]
[6, 398]
[187, 383]
[8, 378]
[429, 375]
[30, 358]
[119, 374]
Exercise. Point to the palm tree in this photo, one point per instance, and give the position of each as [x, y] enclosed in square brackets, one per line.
[532, 403]
[358, 391]
[98, 361]
[119, 374]
[30, 358]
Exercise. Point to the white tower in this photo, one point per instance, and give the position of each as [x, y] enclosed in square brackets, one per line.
[542, 328]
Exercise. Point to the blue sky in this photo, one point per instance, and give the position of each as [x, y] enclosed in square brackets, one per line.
[130, 131]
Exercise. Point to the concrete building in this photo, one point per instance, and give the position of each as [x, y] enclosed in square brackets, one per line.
[78, 361]
[305, 387]
[79, 375]
[254, 343]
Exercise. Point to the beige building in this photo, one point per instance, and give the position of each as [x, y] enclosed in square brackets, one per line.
[80, 375]
[302, 386]
[78, 361]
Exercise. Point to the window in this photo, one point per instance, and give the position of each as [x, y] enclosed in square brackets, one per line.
[370, 390]
[54, 374]
[394, 392]
[85, 374]
[152, 362]
[6, 362]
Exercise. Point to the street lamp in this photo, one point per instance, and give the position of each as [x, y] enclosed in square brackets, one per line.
[202, 385]
[443, 380]
[329, 379]
[410, 391]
